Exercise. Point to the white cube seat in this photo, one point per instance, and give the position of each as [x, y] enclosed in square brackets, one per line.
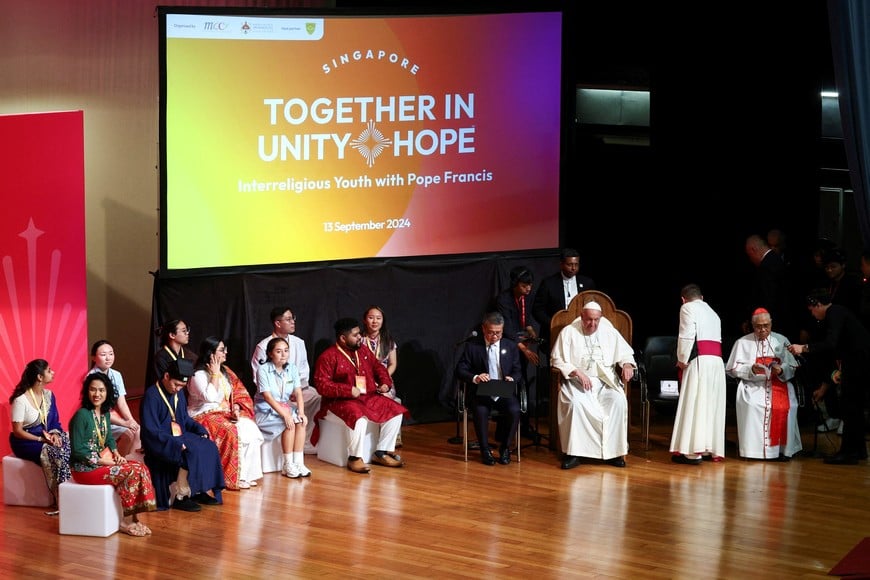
[335, 437]
[24, 483]
[89, 510]
[272, 455]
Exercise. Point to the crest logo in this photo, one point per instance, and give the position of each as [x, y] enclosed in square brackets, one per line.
[310, 27]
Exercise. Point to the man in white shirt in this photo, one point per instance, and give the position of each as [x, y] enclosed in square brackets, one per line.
[284, 326]
[557, 290]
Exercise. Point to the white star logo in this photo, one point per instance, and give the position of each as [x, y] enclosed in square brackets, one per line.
[370, 143]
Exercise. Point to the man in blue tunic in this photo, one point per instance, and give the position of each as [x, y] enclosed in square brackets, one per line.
[178, 452]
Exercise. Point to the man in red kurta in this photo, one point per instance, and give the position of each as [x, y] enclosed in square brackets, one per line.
[353, 384]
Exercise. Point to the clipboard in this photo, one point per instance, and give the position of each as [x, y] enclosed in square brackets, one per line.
[497, 389]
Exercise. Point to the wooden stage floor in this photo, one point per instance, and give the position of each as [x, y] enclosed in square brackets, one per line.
[440, 517]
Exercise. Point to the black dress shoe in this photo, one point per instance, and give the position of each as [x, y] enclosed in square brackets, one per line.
[486, 457]
[682, 459]
[205, 499]
[616, 462]
[842, 459]
[186, 504]
[570, 462]
[504, 456]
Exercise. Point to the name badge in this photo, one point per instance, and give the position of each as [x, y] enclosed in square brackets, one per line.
[361, 384]
[176, 429]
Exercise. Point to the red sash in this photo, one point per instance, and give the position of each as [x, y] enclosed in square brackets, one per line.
[710, 348]
[779, 404]
[704, 347]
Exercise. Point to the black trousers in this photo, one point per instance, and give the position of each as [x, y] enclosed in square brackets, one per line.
[853, 391]
[507, 423]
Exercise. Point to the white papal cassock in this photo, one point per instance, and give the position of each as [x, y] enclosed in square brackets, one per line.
[592, 423]
[767, 423]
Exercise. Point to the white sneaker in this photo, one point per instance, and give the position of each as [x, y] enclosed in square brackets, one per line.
[829, 424]
[304, 471]
[291, 470]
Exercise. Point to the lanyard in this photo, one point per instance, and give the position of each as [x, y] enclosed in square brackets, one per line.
[174, 401]
[100, 429]
[172, 354]
[41, 409]
[347, 356]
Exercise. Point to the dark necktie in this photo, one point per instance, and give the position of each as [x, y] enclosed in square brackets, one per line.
[521, 306]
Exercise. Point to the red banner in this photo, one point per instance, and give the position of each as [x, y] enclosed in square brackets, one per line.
[43, 294]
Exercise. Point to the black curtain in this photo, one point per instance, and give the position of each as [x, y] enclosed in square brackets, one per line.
[429, 305]
[850, 43]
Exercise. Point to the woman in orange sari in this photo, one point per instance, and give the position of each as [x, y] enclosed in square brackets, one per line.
[219, 401]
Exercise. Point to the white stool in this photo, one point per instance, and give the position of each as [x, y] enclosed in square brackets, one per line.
[89, 510]
[24, 483]
[272, 455]
[335, 437]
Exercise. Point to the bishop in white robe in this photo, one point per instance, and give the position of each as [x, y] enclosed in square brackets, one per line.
[767, 423]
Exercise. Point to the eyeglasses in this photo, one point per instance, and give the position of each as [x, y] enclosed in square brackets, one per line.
[222, 349]
[183, 330]
[291, 318]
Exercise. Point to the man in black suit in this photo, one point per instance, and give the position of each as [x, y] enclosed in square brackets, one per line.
[770, 289]
[848, 341]
[492, 357]
[557, 290]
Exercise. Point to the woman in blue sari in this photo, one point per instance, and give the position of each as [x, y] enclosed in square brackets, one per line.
[37, 434]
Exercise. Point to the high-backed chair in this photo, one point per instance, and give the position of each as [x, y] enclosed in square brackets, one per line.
[620, 320]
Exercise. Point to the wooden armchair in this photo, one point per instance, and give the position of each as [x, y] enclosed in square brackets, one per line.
[620, 320]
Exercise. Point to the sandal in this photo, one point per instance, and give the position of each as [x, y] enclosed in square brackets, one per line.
[143, 527]
[244, 484]
[132, 530]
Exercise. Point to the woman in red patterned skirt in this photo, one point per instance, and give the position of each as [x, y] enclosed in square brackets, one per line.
[95, 459]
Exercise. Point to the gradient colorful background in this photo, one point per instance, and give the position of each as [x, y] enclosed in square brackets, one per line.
[43, 294]
[215, 113]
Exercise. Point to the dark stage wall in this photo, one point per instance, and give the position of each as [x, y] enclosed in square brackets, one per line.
[429, 305]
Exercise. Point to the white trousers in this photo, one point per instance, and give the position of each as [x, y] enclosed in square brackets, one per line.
[388, 432]
[250, 440]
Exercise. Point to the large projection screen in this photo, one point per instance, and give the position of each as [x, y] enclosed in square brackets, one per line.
[292, 138]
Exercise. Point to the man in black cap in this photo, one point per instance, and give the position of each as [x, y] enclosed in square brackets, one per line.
[178, 452]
